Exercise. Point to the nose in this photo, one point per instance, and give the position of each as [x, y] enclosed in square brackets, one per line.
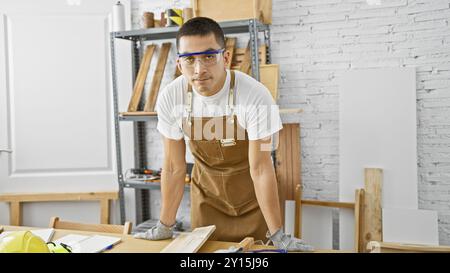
[198, 66]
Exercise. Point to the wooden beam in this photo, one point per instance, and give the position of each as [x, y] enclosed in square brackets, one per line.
[157, 77]
[359, 202]
[45, 197]
[104, 211]
[382, 247]
[331, 204]
[140, 79]
[189, 242]
[298, 212]
[15, 213]
[372, 206]
[16, 200]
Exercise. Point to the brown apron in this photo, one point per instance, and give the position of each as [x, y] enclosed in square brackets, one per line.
[222, 190]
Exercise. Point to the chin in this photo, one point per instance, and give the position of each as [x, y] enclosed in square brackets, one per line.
[201, 88]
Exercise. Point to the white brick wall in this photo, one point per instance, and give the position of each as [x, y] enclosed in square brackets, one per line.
[314, 41]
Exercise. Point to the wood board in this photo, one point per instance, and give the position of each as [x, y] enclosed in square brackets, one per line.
[140, 79]
[157, 77]
[234, 9]
[230, 44]
[190, 242]
[288, 163]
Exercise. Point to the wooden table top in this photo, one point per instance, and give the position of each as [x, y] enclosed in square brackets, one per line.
[129, 244]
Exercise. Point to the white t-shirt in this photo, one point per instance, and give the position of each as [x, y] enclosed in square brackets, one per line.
[255, 108]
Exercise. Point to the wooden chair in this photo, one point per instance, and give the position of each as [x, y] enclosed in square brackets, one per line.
[120, 229]
[357, 206]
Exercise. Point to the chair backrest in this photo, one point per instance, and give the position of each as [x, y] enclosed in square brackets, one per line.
[120, 229]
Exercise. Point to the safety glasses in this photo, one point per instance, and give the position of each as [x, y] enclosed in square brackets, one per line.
[207, 58]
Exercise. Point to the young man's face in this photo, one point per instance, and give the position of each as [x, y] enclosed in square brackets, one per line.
[206, 73]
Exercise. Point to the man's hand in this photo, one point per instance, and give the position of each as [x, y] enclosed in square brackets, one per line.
[286, 242]
[158, 232]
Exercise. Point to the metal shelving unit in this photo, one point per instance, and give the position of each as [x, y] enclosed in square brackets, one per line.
[137, 38]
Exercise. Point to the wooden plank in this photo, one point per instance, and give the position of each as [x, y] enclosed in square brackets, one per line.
[140, 113]
[246, 243]
[382, 247]
[298, 212]
[281, 172]
[104, 211]
[296, 166]
[331, 204]
[140, 79]
[45, 197]
[157, 77]
[239, 53]
[269, 75]
[291, 111]
[15, 213]
[289, 191]
[119, 229]
[287, 163]
[359, 201]
[246, 63]
[372, 205]
[230, 44]
[190, 242]
[234, 9]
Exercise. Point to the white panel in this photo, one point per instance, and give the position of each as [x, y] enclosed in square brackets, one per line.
[378, 129]
[410, 226]
[56, 102]
[67, 125]
[317, 226]
[346, 230]
[289, 217]
[39, 214]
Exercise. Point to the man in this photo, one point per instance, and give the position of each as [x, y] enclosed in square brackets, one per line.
[229, 119]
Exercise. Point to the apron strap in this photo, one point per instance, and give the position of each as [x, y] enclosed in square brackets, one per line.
[231, 97]
[189, 105]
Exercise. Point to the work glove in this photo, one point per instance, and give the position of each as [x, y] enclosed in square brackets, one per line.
[157, 232]
[284, 241]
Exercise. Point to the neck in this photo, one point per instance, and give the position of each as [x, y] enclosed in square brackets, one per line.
[217, 87]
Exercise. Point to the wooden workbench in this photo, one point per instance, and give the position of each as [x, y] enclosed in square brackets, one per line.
[129, 244]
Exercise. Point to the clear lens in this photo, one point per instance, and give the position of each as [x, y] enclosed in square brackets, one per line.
[205, 59]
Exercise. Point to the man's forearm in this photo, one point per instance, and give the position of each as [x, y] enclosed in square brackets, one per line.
[266, 190]
[172, 189]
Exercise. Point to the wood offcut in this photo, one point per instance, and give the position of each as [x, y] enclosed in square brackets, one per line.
[157, 77]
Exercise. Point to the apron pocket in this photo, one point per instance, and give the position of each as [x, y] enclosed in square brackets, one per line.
[239, 189]
[208, 149]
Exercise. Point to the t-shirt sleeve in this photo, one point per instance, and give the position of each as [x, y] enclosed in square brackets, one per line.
[167, 121]
[262, 114]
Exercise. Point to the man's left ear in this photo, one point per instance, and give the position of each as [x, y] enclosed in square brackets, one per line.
[227, 58]
[179, 65]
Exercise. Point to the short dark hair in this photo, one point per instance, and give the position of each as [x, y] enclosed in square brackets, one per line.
[201, 26]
